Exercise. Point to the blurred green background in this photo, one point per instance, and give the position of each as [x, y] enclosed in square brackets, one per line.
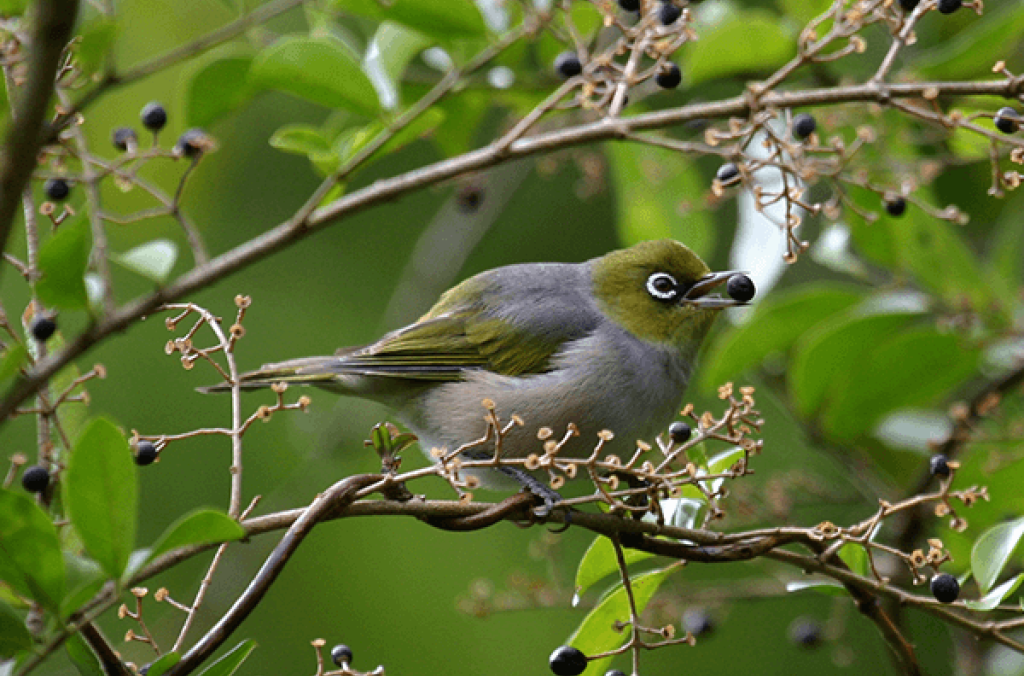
[390, 588]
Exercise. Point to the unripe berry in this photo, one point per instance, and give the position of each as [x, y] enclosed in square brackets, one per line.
[567, 661]
[668, 13]
[679, 432]
[567, 64]
[1007, 120]
[153, 116]
[727, 174]
[669, 76]
[945, 588]
[35, 479]
[804, 125]
[938, 465]
[57, 189]
[341, 654]
[42, 328]
[896, 206]
[145, 453]
[741, 288]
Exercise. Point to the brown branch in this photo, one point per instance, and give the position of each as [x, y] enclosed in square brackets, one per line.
[108, 657]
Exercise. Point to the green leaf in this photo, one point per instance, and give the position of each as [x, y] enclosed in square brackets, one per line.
[97, 41]
[855, 557]
[441, 19]
[1005, 269]
[600, 561]
[153, 259]
[82, 656]
[14, 636]
[980, 43]
[165, 662]
[62, 262]
[216, 85]
[30, 558]
[389, 52]
[775, 326]
[10, 364]
[993, 550]
[743, 42]
[204, 526]
[227, 665]
[300, 139]
[101, 495]
[12, 8]
[649, 185]
[992, 599]
[596, 633]
[349, 144]
[85, 578]
[917, 367]
[320, 70]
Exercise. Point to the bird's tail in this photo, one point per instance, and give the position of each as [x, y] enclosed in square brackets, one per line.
[304, 371]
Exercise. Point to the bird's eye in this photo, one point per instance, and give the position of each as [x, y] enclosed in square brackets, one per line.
[662, 286]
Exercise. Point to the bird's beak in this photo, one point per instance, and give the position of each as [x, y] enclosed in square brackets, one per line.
[698, 293]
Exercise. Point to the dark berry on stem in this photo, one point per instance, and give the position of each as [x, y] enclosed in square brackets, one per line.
[42, 328]
[804, 125]
[949, 6]
[630, 5]
[945, 588]
[668, 13]
[727, 173]
[741, 288]
[153, 116]
[341, 654]
[939, 465]
[123, 136]
[145, 453]
[669, 76]
[1007, 120]
[698, 621]
[35, 479]
[57, 189]
[805, 632]
[192, 143]
[567, 661]
[895, 206]
[909, 5]
[679, 432]
[567, 64]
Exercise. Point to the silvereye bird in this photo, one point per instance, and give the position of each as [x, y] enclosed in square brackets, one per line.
[605, 344]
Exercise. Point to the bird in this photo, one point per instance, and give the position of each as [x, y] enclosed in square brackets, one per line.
[606, 344]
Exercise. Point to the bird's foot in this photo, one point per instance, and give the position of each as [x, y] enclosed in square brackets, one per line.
[549, 496]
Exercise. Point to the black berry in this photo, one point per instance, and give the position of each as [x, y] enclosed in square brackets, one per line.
[805, 632]
[153, 116]
[1007, 120]
[949, 6]
[679, 432]
[804, 125]
[698, 621]
[567, 661]
[469, 197]
[896, 206]
[669, 76]
[939, 465]
[567, 64]
[341, 654]
[35, 479]
[945, 588]
[57, 189]
[668, 13]
[123, 136]
[145, 453]
[630, 5]
[192, 143]
[728, 173]
[741, 288]
[909, 5]
[42, 328]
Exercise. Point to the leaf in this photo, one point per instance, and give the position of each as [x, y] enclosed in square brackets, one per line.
[12, 8]
[300, 139]
[774, 326]
[319, 69]
[977, 46]
[62, 262]
[82, 656]
[855, 557]
[349, 144]
[917, 367]
[389, 52]
[154, 259]
[205, 526]
[96, 44]
[84, 579]
[30, 558]
[596, 633]
[992, 599]
[165, 662]
[101, 493]
[217, 85]
[599, 561]
[227, 665]
[14, 636]
[442, 19]
[649, 185]
[745, 41]
[13, 359]
[993, 550]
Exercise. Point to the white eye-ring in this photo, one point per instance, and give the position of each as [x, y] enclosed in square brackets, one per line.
[662, 286]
